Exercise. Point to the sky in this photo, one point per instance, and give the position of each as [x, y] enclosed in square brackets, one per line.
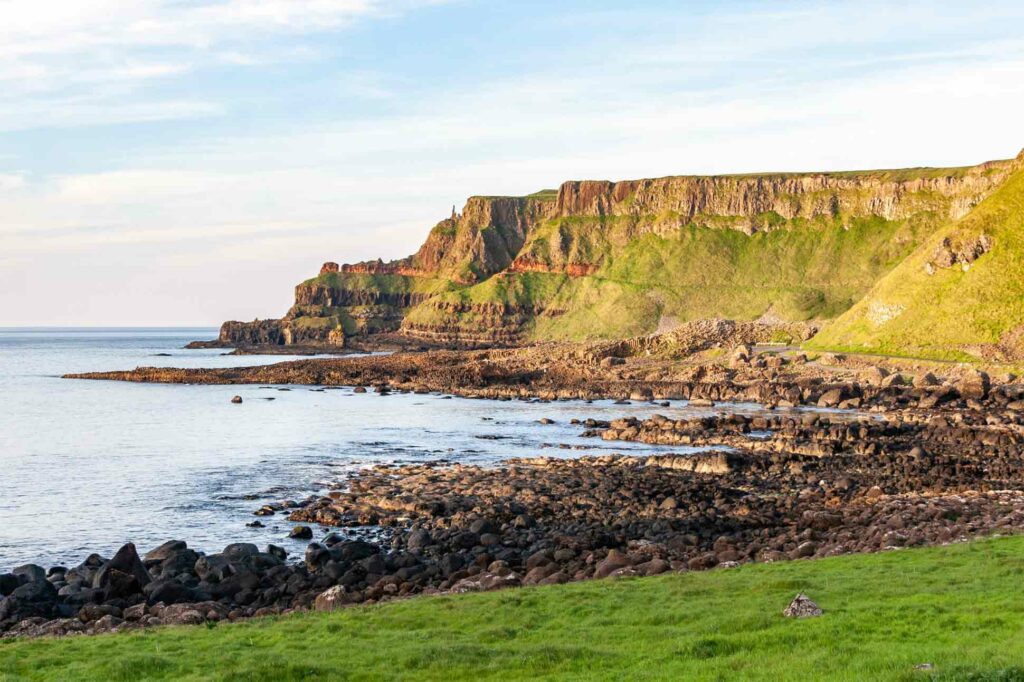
[179, 162]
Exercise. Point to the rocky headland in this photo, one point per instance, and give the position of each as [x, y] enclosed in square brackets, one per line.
[610, 260]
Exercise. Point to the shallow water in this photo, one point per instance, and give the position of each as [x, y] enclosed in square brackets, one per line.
[88, 465]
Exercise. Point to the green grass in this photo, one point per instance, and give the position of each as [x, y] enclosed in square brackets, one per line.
[955, 607]
[544, 195]
[950, 314]
[809, 270]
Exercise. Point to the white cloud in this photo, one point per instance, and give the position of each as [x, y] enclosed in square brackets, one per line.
[11, 181]
[53, 54]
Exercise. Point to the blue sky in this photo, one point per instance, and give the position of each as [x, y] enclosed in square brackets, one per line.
[173, 162]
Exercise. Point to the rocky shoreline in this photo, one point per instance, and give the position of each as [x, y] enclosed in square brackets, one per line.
[915, 460]
[456, 528]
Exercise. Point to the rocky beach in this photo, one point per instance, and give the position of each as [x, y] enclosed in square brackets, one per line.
[893, 454]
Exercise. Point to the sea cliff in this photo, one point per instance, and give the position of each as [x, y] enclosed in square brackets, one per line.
[610, 260]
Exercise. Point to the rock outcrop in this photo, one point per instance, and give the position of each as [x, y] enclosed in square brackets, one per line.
[600, 259]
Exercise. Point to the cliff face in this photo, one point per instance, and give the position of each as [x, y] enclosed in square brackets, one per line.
[606, 259]
[892, 196]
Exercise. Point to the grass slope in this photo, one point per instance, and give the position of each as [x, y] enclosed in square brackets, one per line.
[952, 314]
[807, 270]
[955, 607]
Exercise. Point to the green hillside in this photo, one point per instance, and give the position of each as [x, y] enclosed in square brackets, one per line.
[961, 312]
[805, 269]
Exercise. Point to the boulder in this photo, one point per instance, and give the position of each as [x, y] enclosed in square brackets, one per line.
[613, 562]
[240, 551]
[214, 568]
[169, 592]
[8, 583]
[418, 539]
[892, 380]
[30, 573]
[123, 575]
[165, 550]
[181, 562]
[974, 385]
[301, 533]
[36, 599]
[802, 606]
[486, 582]
[331, 599]
[831, 398]
[353, 550]
[877, 375]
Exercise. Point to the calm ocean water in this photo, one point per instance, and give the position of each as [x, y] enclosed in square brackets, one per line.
[88, 465]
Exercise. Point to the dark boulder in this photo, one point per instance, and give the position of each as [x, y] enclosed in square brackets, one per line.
[127, 562]
[30, 573]
[181, 562]
[36, 599]
[301, 533]
[316, 556]
[214, 568]
[240, 550]
[418, 539]
[8, 583]
[353, 550]
[170, 592]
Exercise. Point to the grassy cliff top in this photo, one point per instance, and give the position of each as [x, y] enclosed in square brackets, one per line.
[884, 174]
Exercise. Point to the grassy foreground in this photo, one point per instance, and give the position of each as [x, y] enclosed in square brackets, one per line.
[958, 608]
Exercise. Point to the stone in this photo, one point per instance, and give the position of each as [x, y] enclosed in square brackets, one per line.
[831, 398]
[33, 599]
[613, 562]
[165, 550]
[893, 380]
[301, 533]
[802, 606]
[169, 592]
[240, 550]
[236, 399]
[486, 582]
[805, 549]
[135, 613]
[418, 539]
[124, 574]
[8, 583]
[974, 384]
[30, 572]
[331, 599]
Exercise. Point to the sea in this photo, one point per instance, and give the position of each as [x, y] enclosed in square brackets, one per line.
[86, 466]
